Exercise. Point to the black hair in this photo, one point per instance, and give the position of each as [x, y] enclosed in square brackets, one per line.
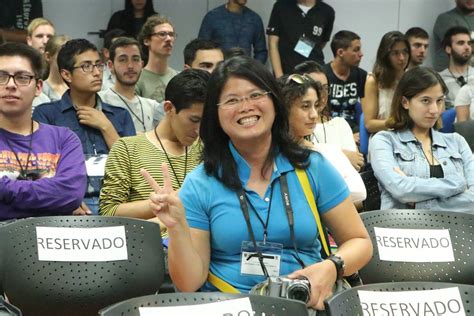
[416, 32]
[72, 48]
[186, 88]
[198, 44]
[111, 35]
[19, 49]
[343, 39]
[455, 30]
[217, 157]
[307, 67]
[128, 15]
[292, 90]
[234, 52]
[123, 42]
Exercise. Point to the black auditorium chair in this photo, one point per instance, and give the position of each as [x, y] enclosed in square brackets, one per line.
[461, 231]
[466, 129]
[261, 305]
[347, 303]
[372, 202]
[78, 288]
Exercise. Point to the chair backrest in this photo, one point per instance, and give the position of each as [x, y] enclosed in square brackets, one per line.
[363, 136]
[347, 303]
[466, 129]
[262, 305]
[372, 201]
[461, 233]
[448, 118]
[82, 288]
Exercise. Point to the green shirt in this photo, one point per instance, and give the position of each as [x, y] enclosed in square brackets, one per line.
[152, 85]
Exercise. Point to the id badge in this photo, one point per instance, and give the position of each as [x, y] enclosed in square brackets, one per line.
[271, 253]
[304, 46]
[95, 165]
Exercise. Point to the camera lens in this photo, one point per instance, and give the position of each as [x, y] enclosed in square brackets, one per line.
[299, 291]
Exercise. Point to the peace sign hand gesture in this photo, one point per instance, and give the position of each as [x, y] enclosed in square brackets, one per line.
[164, 201]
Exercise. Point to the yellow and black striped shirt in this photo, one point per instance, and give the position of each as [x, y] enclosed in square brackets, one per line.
[123, 182]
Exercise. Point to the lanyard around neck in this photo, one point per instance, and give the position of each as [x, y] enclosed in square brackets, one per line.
[169, 161]
[142, 120]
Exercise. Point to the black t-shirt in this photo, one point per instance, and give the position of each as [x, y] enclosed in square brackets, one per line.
[343, 95]
[290, 23]
[18, 14]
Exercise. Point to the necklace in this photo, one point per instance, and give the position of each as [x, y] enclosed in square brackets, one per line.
[169, 161]
[142, 120]
[23, 171]
[461, 81]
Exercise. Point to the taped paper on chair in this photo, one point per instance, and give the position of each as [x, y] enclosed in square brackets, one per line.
[240, 306]
[446, 302]
[414, 245]
[69, 244]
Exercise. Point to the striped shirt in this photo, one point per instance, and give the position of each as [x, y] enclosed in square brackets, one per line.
[123, 182]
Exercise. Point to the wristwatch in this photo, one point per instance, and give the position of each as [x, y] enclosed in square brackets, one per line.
[339, 263]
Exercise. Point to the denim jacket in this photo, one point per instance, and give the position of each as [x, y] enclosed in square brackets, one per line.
[454, 192]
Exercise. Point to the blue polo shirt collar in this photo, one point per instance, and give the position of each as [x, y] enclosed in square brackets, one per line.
[280, 165]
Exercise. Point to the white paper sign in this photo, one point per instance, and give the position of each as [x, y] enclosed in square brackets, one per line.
[237, 307]
[95, 165]
[442, 302]
[81, 244]
[414, 245]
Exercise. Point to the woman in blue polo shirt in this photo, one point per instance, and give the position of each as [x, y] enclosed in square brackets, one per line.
[236, 203]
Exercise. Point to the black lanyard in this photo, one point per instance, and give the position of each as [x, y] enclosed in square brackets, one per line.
[142, 121]
[23, 171]
[169, 161]
[289, 212]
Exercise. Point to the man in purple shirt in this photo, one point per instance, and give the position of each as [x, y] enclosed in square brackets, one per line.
[42, 170]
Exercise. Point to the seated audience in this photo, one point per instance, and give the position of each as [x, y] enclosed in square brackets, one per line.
[54, 87]
[158, 36]
[132, 18]
[173, 142]
[332, 131]
[42, 168]
[393, 56]
[346, 79]
[419, 41]
[303, 97]
[97, 124]
[248, 154]
[457, 44]
[417, 166]
[126, 64]
[463, 102]
[202, 54]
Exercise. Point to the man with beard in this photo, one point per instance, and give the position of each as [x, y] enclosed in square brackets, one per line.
[419, 41]
[158, 36]
[457, 45]
[126, 64]
[461, 15]
[97, 123]
[346, 79]
[235, 25]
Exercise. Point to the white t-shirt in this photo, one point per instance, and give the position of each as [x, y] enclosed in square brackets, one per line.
[466, 97]
[144, 121]
[336, 132]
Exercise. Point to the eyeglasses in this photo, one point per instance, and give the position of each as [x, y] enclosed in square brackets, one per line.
[19, 79]
[164, 34]
[234, 101]
[88, 68]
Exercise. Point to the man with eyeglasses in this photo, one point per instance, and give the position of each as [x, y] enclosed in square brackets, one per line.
[42, 168]
[158, 36]
[97, 124]
[457, 44]
[126, 64]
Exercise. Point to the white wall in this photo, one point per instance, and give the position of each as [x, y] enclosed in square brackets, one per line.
[369, 18]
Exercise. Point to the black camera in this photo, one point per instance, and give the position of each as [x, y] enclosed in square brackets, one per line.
[296, 289]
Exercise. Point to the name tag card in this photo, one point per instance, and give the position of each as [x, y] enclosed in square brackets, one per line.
[443, 302]
[241, 307]
[96, 244]
[414, 245]
[95, 165]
